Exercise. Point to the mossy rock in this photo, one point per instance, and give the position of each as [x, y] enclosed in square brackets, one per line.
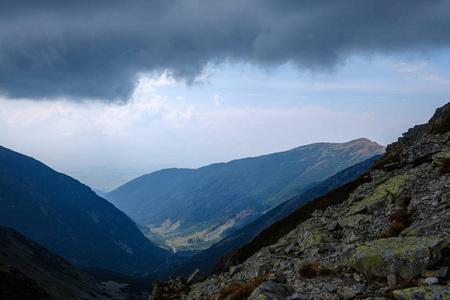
[315, 237]
[435, 292]
[403, 256]
[382, 195]
[354, 221]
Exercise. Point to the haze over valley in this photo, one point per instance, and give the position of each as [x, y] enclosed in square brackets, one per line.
[204, 149]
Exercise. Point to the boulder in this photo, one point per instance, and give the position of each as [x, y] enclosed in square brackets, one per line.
[270, 290]
[196, 277]
[403, 256]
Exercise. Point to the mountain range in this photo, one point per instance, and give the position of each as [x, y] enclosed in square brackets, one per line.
[191, 209]
[68, 218]
[211, 259]
[385, 235]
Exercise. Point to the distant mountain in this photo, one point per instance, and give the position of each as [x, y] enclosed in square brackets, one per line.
[194, 208]
[29, 271]
[205, 260]
[68, 218]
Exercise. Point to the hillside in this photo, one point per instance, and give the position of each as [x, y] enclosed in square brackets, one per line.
[206, 259]
[383, 236]
[193, 209]
[69, 219]
[29, 271]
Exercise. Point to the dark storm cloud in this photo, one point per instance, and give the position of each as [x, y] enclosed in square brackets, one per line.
[97, 49]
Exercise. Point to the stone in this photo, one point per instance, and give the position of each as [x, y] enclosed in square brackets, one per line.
[297, 296]
[346, 293]
[431, 280]
[434, 292]
[278, 278]
[332, 226]
[392, 280]
[196, 277]
[403, 256]
[270, 290]
[357, 277]
[360, 289]
[428, 273]
[443, 272]
[331, 288]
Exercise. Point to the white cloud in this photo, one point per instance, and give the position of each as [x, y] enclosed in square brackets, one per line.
[218, 100]
[404, 67]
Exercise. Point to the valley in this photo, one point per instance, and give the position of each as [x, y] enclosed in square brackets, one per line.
[192, 209]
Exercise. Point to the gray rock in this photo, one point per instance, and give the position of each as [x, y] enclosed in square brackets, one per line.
[332, 226]
[431, 280]
[278, 278]
[392, 280]
[443, 272]
[360, 289]
[270, 290]
[428, 273]
[297, 296]
[331, 288]
[434, 292]
[196, 277]
[357, 277]
[403, 256]
[346, 293]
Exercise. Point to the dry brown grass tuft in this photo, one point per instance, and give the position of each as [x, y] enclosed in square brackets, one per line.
[325, 271]
[400, 220]
[405, 200]
[314, 269]
[445, 167]
[309, 270]
[241, 290]
[358, 198]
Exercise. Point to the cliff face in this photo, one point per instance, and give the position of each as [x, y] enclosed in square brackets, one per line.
[388, 239]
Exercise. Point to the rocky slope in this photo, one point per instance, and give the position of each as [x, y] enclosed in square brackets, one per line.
[386, 239]
[192, 209]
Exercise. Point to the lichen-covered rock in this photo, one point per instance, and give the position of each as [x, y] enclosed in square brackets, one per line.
[404, 256]
[315, 239]
[270, 290]
[435, 292]
[383, 194]
[196, 277]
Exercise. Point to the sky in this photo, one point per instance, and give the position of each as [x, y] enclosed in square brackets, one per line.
[106, 91]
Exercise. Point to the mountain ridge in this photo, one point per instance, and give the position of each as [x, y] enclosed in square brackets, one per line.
[210, 259]
[197, 207]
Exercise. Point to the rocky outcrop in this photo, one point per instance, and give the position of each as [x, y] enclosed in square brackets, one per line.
[405, 257]
[389, 238]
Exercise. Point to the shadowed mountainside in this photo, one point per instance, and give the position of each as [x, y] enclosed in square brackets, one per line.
[69, 219]
[29, 271]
